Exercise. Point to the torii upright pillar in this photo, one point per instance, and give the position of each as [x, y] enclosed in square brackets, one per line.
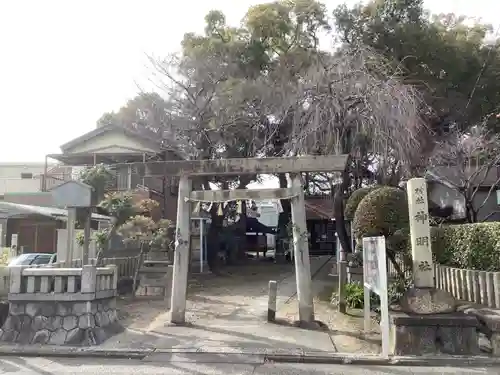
[181, 255]
[301, 252]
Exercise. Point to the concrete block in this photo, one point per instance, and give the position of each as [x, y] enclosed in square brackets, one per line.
[86, 321]
[89, 279]
[17, 308]
[25, 337]
[41, 323]
[41, 337]
[458, 340]
[32, 309]
[58, 337]
[70, 322]
[10, 336]
[75, 336]
[80, 308]
[51, 308]
[13, 323]
[15, 279]
[432, 334]
[56, 322]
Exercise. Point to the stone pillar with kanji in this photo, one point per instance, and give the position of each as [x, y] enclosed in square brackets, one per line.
[423, 298]
[420, 233]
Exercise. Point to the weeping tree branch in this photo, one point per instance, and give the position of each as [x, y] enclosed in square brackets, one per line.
[351, 103]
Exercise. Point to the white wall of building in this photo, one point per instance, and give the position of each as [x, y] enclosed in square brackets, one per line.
[20, 177]
[269, 213]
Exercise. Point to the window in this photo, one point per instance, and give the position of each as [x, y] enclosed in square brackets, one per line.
[42, 259]
[26, 175]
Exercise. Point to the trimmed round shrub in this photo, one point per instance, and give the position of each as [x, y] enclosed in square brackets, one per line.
[382, 212]
[354, 200]
[468, 246]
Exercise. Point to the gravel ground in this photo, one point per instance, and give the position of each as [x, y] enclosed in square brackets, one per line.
[240, 298]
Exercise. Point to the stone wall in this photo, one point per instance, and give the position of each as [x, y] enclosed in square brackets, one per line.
[61, 306]
[61, 323]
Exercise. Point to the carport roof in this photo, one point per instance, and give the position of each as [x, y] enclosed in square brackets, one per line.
[10, 210]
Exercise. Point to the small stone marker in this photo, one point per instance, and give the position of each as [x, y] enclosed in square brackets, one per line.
[271, 303]
[424, 298]
[420, 233]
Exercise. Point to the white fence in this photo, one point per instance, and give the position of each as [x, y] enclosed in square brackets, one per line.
[125, 265]
[62, 284]
[125, 268]
[480, 287]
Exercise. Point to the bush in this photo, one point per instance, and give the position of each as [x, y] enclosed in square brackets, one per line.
[382, 212]
[354, 200]
[470, 246]
[4, 255]
[354, 295]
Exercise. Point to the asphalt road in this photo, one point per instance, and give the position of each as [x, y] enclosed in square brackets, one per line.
[45, 366]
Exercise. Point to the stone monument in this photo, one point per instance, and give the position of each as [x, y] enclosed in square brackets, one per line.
[427, 322]
[424, 298]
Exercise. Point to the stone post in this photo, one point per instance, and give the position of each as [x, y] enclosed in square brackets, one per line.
[89, 278]
[272, 300]
[420, 233]
[342, 274]
[181, 253]
[301, 252]
[87, 214]
[114, 280]
[16, 273]
[423, 298]
[70, 230]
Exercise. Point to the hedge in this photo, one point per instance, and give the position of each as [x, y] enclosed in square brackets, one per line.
[383, 212]
[354, 200]
[468, 246]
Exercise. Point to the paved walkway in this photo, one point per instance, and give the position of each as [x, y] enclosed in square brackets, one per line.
[227, 313]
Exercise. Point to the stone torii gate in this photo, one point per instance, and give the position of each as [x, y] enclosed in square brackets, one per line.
[194, 168]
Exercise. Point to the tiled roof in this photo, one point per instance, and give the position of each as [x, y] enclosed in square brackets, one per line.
[319, 208]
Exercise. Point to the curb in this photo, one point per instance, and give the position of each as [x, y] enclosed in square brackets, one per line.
[420, 361]
[71, 352]
[233, 355]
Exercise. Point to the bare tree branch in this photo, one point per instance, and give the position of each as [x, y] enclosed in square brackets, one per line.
[468, 161]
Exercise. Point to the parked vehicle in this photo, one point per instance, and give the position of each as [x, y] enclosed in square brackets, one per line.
[32, 259]
[41, 260]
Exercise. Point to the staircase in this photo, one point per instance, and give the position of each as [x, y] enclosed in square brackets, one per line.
[155, 276]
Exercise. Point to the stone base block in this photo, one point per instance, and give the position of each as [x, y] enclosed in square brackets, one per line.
[427, 301]
[453, 333]
[152, 291]
[489, 325]
[61, 323]
[155, 281]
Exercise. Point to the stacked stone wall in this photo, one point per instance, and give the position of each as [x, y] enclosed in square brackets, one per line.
[61, 323]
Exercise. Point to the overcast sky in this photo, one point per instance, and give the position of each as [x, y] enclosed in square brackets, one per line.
[64, 63]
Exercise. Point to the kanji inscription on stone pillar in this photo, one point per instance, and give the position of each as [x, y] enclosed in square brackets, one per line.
[420, 233]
